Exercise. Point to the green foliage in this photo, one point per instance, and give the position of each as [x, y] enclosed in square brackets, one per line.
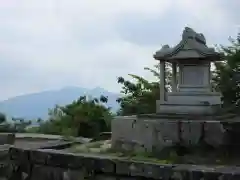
[140, 95]
[82, 117]
[2, 118]
[20, 125]
[227, 74]
[16, 125]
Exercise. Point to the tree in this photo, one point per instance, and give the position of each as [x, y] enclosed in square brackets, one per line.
[83, 117]
[140, 96]
[226, 77]
[16, 125]
[2, 118]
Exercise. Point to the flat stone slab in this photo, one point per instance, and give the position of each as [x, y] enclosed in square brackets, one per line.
[25, 144]
[36, 141]
[38, 136]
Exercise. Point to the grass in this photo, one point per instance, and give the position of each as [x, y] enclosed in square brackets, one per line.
[104, 148]
[93, 147]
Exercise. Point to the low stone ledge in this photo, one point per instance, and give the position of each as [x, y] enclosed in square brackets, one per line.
[115, 166]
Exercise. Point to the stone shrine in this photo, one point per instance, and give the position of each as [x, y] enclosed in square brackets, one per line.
[191, 76]
[188, 115]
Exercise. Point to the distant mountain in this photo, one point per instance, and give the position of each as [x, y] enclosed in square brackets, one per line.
[31, 106]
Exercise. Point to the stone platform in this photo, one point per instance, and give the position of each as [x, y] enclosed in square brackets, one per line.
[155, 132]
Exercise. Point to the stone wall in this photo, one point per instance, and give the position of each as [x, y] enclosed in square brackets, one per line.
[50, 162]
[8, 140]
[153, 134]
[5, 170]
[57, 165]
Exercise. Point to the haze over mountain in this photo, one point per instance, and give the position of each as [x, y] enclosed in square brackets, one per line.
[36, 105]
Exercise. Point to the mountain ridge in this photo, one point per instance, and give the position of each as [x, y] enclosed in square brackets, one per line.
[36, 105]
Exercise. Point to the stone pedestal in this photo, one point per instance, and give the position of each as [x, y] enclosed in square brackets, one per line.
[193, 102]
[156, 132]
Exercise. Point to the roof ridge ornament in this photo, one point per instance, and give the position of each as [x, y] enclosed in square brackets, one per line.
[189, 33]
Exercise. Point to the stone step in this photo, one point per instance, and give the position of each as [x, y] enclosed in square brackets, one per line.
[187, 116]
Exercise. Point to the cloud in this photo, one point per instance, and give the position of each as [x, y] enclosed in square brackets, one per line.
[50, 44]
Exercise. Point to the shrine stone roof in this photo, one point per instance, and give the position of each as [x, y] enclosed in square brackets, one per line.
[192, 46]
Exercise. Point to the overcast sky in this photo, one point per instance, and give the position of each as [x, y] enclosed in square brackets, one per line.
[51, 44]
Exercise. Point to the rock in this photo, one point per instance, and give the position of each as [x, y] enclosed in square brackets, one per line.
[214, 133]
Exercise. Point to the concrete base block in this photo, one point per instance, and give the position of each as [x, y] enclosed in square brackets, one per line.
[129, 133]
[7, 138]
